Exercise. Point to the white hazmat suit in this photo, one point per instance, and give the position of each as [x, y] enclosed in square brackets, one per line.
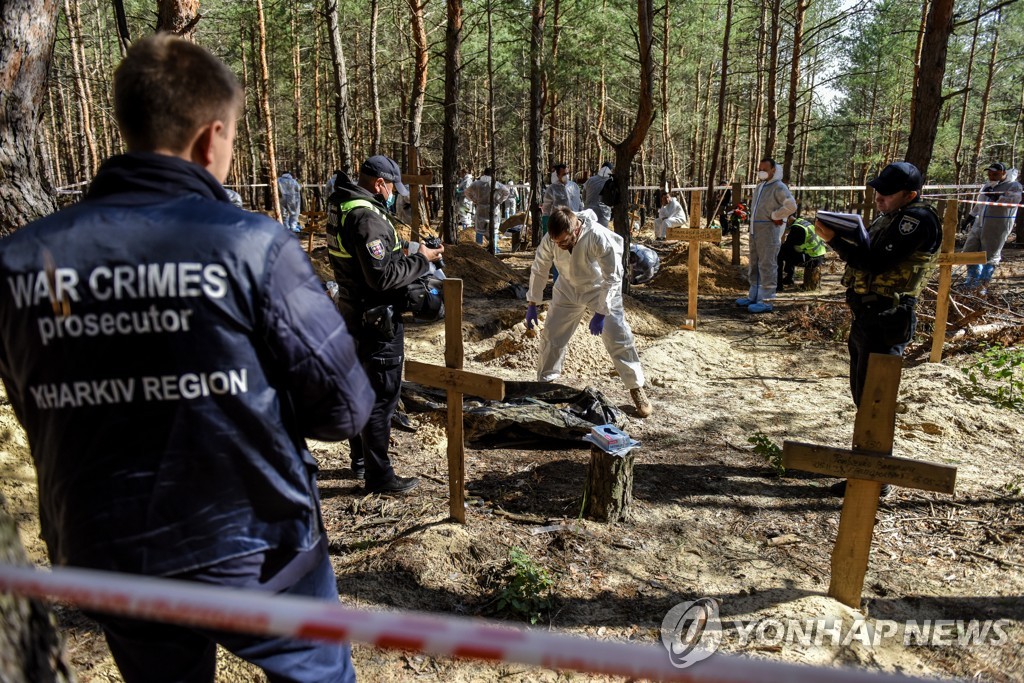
[592, 195]
[671, 215]
[772, 202]
[590, 277]
[487, 220]
[291, 201]
[559, 194]
[992, 224]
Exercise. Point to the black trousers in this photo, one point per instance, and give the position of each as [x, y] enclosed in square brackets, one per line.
[789, 259]
[382, 360]
[875, 330]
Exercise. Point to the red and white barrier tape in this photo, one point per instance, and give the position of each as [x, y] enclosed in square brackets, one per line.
[221, 608]
[973, 201]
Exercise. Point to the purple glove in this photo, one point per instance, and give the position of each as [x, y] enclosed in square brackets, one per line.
[531, 316]
[597, 324]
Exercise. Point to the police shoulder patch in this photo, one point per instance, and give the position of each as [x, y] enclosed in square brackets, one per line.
[376, 249]
[908, 225]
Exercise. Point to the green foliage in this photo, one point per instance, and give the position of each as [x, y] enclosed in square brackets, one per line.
[997, 374]
[765, 447]
[1015, 486]
[527, 592]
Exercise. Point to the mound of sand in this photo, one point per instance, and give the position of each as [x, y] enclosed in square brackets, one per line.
[717, 274]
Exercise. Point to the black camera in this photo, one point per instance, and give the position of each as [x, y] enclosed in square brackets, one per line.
[434, 242]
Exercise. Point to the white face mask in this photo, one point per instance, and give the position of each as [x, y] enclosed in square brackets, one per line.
[762, 175]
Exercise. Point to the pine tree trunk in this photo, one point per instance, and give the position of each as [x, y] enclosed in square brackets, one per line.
[711, 210]
[268, 119]
[925, 6]
[420, 63]
[452, 86]
[626, 150]
[928, 93]
[772, 107]
[297, 155]
[178, 16]
[537, 82]
[88, 154]
[374, 94]
[340, 87]
[665, 136]
[983, 116]
[492, 230]
[958, 163]
[794, 90]
[30, 647]
[27, 34]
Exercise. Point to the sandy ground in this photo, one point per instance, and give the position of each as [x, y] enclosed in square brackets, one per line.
[706, 505]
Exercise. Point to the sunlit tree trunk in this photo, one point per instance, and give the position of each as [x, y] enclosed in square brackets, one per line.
[958, 163]
[710, 210]
[268, 120]
[985, 97]
[340, 87]
[794, 90]
[374, 94]
[537, 16]
[452, 85]
[928, 92]
[178, 16]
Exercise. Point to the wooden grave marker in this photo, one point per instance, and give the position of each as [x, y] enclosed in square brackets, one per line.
[947, 259]
[457, 382]
[867, 466]
[694, 236]
[315, 221]
[414, 179]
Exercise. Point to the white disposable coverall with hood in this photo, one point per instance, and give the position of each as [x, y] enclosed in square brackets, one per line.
[592, 195]
[559, 194]
[291, 200]
[671, 215]
[992, 224]
[590, 277]
[772, 202]
[487, 220]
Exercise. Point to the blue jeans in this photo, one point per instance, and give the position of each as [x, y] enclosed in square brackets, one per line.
[152, 652]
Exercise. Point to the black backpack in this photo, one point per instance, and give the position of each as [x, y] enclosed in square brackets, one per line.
[610, 192]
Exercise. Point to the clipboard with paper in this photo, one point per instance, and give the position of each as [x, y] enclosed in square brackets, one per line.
[848, 226]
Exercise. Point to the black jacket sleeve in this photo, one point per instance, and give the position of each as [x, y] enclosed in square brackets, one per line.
[384, 267]
[915, 229]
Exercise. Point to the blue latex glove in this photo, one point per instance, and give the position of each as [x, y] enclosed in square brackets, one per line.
[531, 317]
[597, 324]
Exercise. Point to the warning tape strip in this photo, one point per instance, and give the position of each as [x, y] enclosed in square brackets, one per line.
[971, 201]
[258, 613]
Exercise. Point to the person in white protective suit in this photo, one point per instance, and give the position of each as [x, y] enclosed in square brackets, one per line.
[462, 205]
[771, 205]
[592, 194]
[487, 206]
[589, 258]
[291, 201]
[509, 206]
[992, 224]
[562, 192]
[670, 215]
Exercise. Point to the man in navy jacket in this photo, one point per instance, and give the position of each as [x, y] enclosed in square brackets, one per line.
[168, 354]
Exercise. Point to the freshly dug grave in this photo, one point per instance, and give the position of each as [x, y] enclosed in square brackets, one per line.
[717, 274]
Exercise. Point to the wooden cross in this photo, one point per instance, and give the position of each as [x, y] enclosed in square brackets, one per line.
[457, 382]
[866, 467]
[314, 223]
[414, 180]
[947, 259]
[695, 209]
[694, 236]
[867, 207]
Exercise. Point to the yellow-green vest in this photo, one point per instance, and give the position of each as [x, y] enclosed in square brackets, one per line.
[336, 221]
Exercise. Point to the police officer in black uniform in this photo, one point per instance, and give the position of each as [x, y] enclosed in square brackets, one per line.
[375, 281]
[885, 275]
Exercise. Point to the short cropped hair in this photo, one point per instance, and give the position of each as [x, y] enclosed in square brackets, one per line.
[167, 88]
[560, 221]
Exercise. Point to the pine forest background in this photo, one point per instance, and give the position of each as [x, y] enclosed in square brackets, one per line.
[824, 86]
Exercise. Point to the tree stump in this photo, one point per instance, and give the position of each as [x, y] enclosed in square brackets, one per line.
[609, 492]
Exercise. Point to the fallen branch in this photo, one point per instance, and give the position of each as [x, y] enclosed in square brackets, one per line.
[992, 559]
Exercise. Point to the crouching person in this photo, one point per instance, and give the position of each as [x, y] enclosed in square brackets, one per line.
[589, 261]
[181, 451]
